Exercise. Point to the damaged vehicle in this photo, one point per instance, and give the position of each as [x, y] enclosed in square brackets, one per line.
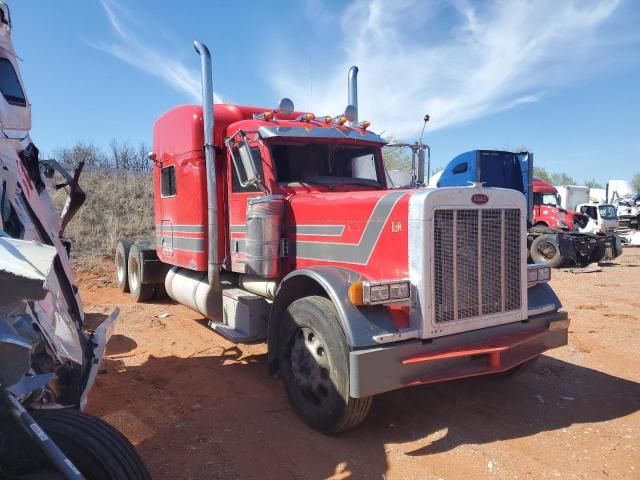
[48, 361]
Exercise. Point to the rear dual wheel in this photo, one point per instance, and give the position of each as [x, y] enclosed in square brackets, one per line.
[121, 261]
[140, 292]
[314, 365]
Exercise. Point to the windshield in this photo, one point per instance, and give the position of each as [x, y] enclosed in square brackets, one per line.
[550, 199]
[608, 212]
[326, 163]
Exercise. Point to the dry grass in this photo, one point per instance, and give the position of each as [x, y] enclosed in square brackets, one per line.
[119, 205]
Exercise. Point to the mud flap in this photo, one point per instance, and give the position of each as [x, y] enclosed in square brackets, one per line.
[99, 340]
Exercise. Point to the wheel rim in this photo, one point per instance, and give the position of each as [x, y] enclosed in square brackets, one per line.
[133, 274]
[547, 250]
[309, 363]
[120, 270]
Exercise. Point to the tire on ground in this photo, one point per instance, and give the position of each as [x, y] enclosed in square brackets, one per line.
[546, 249]
[96, 448]
[121, 261]
[140, 291]
[314, 366]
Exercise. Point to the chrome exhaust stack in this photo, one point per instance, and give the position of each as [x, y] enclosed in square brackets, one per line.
[353, 92]
[213, 267]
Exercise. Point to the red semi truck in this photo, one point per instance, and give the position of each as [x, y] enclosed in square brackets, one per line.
[280, 225]
[547, 209]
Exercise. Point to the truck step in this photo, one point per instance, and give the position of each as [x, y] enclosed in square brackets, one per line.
[244, 316]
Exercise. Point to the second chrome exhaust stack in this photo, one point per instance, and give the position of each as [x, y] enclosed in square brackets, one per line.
[353, 91]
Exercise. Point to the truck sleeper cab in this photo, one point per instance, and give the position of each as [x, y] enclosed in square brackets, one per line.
[357, 288]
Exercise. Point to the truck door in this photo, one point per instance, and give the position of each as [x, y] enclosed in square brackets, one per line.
[238, 197]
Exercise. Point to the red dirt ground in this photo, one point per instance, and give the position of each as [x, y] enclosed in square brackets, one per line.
[197, 406]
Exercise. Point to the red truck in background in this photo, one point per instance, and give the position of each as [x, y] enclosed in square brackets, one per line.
[279, 225]
[547, 209]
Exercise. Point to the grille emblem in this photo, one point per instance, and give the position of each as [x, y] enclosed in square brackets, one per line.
[479, 198]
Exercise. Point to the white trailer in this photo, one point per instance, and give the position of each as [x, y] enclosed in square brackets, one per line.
[572, 195]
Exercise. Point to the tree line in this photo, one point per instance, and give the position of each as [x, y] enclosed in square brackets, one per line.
[118, 156]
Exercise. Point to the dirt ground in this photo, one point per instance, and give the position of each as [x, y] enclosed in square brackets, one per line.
[199, 407]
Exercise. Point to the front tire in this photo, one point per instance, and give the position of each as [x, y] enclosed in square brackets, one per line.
[314, 365]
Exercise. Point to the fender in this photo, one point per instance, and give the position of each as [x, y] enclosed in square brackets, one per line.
[360, 324]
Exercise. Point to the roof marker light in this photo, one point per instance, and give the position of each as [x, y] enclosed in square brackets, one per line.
[268, 115]
[342, 119]
[363, 125]
[306, 117]
[327, 119]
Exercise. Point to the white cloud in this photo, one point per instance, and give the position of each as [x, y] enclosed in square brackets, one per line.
[457, 61]
[131, 49]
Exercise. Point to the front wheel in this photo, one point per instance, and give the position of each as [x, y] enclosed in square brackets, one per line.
[314, 365]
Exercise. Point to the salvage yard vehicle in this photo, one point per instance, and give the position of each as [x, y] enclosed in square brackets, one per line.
[554, 236]
[279, 225]
[48, 362]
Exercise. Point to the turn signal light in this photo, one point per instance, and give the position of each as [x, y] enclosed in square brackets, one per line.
[376, 293]
[538, 273]
[355, 293]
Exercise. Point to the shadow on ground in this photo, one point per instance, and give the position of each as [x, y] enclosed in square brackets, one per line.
[222, 416]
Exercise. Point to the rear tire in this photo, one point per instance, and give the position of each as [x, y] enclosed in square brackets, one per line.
[546, 249]
[139, 291]
[96, 448]
[314, 366]
[121, 261]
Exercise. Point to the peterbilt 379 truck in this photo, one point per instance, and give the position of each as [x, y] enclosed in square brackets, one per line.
[279, 225]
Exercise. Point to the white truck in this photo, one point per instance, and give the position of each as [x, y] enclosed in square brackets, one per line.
[48, 360]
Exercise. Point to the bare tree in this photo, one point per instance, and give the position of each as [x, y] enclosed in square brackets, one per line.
[636, 182]
[88, 153]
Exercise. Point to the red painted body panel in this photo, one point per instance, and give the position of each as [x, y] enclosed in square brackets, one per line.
[389, 257]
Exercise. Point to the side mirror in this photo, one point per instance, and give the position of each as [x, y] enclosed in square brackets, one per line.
[244, 150]
[420, 179]
[245, 164]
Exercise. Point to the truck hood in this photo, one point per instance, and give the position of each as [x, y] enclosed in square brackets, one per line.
[362, 230]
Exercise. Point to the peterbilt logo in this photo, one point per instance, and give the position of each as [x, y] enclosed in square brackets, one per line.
[479, 198]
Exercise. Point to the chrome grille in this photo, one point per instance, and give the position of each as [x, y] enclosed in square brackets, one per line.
[476, 263]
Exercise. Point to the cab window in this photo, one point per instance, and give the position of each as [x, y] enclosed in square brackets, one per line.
[168, 181]
[326, 163]
[10, 85]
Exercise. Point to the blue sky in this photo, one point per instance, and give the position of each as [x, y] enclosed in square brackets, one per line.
[559, 77]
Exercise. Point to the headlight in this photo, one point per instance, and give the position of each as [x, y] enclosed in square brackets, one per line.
[538, 273]
[379, 292]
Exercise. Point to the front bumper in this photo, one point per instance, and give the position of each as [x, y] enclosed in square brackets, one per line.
[479, 352]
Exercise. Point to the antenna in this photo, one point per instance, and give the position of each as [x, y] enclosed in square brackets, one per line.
[421, 146]
[426, 119]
